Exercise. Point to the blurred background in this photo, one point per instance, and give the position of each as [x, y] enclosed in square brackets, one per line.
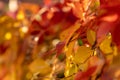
[26, 40]
[16, 44]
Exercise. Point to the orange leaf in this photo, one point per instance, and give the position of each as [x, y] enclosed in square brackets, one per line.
[68, 33]
[78, 10]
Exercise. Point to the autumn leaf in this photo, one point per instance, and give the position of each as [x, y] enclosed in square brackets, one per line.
[105, 45]
[70, 49]
[88, 32]
[39, 66]
[96, 61]
[85, 75]
[91, 36]
[109, 22]
[78, 10]
[68, 33]
[59, 48]
[82, 54]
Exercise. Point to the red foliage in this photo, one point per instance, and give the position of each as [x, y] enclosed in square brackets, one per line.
[109, 20]
[85, 75]
[59, 48]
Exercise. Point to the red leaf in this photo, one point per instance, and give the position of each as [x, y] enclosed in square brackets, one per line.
[109, 21]
[85, 75]
[34, 27]
[59, 48]
[104, 28]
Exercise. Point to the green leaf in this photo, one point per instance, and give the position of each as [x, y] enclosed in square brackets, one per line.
[80, 42]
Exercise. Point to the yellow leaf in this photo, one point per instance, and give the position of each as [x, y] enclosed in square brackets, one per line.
[67, 67]
[91, 36]
[109, 58]
[105, 45]
[84, 66]
[82, 54]
[70, 49]
[39, 65]
[70, 69]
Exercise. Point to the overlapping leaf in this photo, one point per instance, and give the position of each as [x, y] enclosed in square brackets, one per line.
[82, 54]
[85, 75]
[105, 45]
